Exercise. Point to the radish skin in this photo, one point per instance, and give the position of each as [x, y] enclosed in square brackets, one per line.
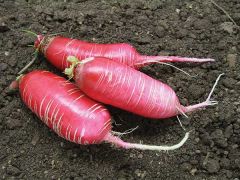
[64, 108]
[121, 86]
[56, 49]
[70, 113]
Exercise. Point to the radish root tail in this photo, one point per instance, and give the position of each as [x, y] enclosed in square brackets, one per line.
[126, 145]
[208, 101]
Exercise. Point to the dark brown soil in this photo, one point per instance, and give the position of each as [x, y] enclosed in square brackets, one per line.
[29, 150]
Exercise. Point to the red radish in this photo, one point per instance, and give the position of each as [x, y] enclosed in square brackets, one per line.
[70, 113]
[56, 49]
[121, 86]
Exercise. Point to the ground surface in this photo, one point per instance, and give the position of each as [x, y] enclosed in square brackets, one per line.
[188, 28]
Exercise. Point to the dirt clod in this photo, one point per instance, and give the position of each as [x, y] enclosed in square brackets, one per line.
[225, 163]
[232, 60]
[229, 83]
[218, 138]
[212, 166]
[228, 27]
[186, 166]
[13, 123]
[228, 131]
[35, 139]
[196, 91]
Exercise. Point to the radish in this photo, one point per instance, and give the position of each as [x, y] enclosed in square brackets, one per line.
[56, 49]
[70, 113]
[121, 86]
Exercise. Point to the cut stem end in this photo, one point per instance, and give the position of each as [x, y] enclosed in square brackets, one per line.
[70, 71]
[74, 62]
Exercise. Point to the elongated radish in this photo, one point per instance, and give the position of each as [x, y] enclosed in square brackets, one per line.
[56, 49]
[70, 113]
[119, 85]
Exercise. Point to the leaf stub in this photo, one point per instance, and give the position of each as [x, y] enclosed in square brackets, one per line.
[70, 71]
[74, 62]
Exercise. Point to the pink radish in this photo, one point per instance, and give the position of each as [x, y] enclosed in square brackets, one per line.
[70, 113]
[56, 49]
[121, 86]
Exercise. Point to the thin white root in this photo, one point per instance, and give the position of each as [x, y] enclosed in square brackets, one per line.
[211, 92]
[178, 69]
[162, 148]
[54, 34]
[225, 12]
[115, 123]
[180, 123]
[170, 66]
[182, 112]
[211, 103]
[208, 101]
[125, 132]
[120, 143]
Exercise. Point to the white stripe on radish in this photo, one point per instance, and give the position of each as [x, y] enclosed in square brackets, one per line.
[74, 92]
[46, 118]
[53, 112]
[55, 119]
[41, 104]
[66, 133]
[78, 98]
[74, 136]
[58, 124]
[81, 135]
[70, 90]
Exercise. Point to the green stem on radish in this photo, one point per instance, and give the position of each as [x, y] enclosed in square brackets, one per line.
[74, 62]
[30, 63]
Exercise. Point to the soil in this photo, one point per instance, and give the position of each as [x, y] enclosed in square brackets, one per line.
[29, 150]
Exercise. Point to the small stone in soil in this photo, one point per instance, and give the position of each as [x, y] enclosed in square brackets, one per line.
[193, 171]
[6, 53]
[3, 27]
